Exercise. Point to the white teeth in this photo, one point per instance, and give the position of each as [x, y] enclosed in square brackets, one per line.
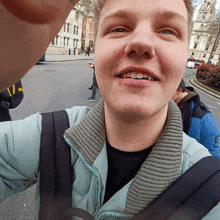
[128, 75]
[135, 75]
[139, 76]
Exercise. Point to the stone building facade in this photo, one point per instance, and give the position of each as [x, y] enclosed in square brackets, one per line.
[68, 40]
[203, 36]
[88, 32]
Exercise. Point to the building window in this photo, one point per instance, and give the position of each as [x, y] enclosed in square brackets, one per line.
[208, 5]
[76, 43]
[212, 56]
[204, 55]
[204, 15]
[64, 41]
[67, 43]
[77, 29]
[195, 45]
[201, 25]
[91, 43]
[57, 39]
[52, 42]
[207, 47]
[198, 36]
[76, 16]
[193, 53]
[64, 27]
[68, 27]
[74, 30]
[83, 44]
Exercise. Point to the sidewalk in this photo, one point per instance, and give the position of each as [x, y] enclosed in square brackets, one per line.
[63, 58]
[193, 81]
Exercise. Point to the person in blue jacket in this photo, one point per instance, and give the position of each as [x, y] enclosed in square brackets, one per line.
[198, 121]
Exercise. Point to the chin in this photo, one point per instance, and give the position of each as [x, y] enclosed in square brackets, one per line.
[132, 111]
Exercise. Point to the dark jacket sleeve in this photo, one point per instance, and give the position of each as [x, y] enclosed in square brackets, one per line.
[11, 97]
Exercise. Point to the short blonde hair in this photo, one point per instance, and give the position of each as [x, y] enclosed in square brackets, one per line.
[99, 4]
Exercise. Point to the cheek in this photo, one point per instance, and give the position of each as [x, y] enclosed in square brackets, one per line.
[173, 61]
[108, 51]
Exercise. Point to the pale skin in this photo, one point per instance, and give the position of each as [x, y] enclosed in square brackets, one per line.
[179, 95]
[149, 37]
[24, 41]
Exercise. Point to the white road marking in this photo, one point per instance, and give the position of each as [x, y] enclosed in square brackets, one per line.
[211, 106]
[187, 80]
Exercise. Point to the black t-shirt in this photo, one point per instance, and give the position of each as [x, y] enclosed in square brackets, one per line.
[122, 167]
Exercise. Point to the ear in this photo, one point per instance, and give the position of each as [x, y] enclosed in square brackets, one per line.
[179, 91]
[176, 95]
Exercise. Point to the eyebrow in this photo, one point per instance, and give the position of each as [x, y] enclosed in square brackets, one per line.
[119, 14]
[162, 14]
[167, 14]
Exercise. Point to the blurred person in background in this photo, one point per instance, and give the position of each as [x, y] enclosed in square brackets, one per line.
[198, 121]
[94, 85]
[10, 98]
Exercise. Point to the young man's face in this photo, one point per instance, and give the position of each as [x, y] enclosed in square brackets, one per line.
[142, 38]
[23, 42]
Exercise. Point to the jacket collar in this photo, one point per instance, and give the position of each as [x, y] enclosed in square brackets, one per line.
[158, 171]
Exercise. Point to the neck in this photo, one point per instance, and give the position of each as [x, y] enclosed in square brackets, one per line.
[133, 135]
[181, 96]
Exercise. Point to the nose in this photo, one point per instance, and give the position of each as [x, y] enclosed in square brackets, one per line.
[141, 44]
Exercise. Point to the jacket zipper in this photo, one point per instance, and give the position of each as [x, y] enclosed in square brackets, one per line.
[91, 169]
[113, 215]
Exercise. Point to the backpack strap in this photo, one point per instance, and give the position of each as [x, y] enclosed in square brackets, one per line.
[56, 173]
[190, 197]
[55, 167]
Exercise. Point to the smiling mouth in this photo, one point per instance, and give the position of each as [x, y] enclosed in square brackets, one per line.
[137, 75]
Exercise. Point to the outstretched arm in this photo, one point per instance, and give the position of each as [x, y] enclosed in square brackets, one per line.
[19, 154]
[27, 28]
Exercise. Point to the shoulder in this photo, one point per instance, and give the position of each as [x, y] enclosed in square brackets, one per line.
[76, 113]
[192, 152]
[199, 108]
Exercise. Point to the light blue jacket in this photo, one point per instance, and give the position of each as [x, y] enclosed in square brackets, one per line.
[171, 156]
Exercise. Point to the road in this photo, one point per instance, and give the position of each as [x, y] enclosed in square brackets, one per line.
[55, 86]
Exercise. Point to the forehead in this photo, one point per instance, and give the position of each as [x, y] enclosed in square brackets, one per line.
[165, 8]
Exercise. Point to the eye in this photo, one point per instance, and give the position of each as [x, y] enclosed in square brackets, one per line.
[167, 32]
[119, 30]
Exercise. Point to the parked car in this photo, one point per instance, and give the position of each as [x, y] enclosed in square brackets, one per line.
[190, 65]
[194, 63]
[42, 59]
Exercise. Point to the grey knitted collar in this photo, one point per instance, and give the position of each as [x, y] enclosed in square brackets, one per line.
[158, 171]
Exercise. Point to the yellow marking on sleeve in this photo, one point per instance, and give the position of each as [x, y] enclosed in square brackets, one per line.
[9, 91]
